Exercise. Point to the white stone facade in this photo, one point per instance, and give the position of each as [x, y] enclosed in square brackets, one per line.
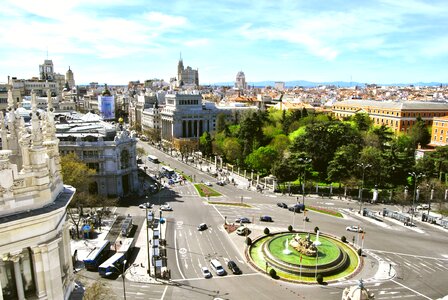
[34, 238]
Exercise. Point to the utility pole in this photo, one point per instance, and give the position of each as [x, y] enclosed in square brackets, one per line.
[416, 177]
[363, 166]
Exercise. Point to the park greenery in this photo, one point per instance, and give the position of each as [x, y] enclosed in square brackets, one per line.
[293, 145]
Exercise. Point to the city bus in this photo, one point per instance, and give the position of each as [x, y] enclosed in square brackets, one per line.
[113, 265]
[166, 171]
[97, 256]
[153, 159]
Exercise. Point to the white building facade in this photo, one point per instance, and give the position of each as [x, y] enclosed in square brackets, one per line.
[34, 238]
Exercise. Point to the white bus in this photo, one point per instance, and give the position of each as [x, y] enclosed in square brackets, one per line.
[166, 171]
[153, 159]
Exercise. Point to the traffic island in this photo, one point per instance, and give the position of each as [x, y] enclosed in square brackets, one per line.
[303, 257]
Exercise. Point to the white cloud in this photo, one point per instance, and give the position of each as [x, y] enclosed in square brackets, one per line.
[197, 43]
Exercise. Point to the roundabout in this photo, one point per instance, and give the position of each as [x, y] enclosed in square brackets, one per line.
[303, 257]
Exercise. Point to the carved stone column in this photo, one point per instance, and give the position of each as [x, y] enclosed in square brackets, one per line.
[52, 269]
[39, 274]
[15, 258]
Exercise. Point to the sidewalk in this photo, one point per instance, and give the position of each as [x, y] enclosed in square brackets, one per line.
[138, 271]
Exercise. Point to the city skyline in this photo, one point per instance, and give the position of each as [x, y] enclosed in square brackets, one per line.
[118, 41]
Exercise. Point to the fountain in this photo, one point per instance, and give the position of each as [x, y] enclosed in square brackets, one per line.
[317, 242]
[286, 250]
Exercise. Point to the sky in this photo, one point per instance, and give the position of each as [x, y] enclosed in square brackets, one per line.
[117, 41]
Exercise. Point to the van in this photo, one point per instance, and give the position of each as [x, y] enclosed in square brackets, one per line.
[217, 267]
[243, 230]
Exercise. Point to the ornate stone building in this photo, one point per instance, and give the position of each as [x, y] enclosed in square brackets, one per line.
[34, 238]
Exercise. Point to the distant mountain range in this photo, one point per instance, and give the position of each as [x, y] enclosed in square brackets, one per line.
[305, 83]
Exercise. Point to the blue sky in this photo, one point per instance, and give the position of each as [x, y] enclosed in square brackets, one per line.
[115, 41]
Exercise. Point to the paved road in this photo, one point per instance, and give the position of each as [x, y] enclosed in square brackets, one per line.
[418, 256]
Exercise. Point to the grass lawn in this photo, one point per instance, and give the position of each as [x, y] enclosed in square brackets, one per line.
[325, 211]
[258, 258]
[229, 203]
[205, 191]
[327, 251]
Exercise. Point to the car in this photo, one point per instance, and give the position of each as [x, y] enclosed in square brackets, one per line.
[221, 183]
[243, 230]
[202, 226]
[294, 209]
[206, 273]
[282, 205]
[233, 267]
[145, 205]
[217, 267]
[266, 219]
[242, 220]
[166, 207]
[207, 183]
[354, 228]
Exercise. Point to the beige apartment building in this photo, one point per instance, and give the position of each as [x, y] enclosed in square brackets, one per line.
[399, 116]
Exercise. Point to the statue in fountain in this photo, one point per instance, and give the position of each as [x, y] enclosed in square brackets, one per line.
[303, 245]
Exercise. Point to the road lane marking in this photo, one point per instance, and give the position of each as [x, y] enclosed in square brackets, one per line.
[414, 291]
[177, 257]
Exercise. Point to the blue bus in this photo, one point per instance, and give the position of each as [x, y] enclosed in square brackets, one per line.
[97, 256]
[114, 265]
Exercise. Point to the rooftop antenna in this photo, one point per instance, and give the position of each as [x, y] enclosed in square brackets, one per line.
[180, 55]
[47, 52]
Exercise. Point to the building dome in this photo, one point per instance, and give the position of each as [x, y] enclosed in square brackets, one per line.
[106, 92]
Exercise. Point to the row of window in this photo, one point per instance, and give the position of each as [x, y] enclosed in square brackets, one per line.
[188, 102]
[440, 138]
[403, 114]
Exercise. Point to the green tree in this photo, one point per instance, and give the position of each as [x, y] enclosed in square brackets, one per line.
[77, 174]
[251, 133]
[344, 161]
[141, 152]
[220, 122]
[284, 171]
[261, 159]
[362, 121]
[280, 143]
[321, 140]
[419, 133]
[231, 149]
[375, 173]
[205, 144]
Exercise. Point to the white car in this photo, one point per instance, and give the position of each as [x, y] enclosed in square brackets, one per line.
[354, 228]
[205, 272]
[207, 183]
[166, 208]
[145, 205]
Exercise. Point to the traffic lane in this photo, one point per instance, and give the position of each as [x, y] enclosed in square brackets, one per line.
[197, 248]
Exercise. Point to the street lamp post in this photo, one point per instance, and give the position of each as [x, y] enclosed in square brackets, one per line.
[147, 241]
[122, 276]
[305, 161]
[416, 177]
[364, 167]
